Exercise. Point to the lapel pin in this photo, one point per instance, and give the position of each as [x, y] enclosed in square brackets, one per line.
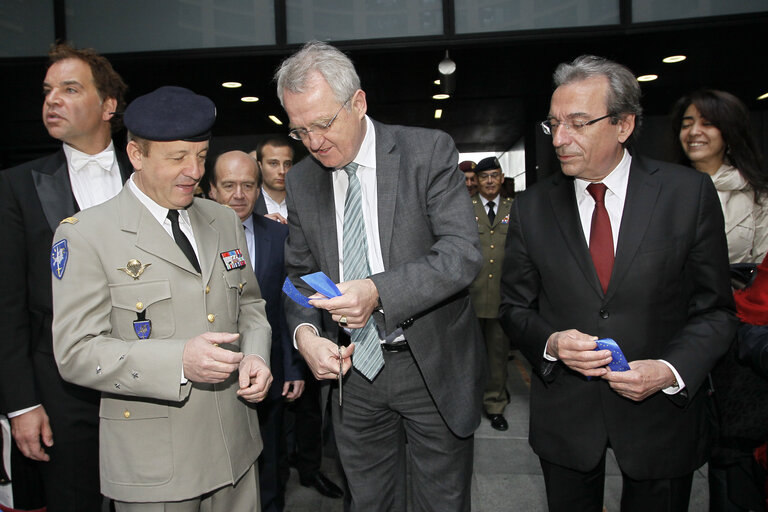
[134, 268]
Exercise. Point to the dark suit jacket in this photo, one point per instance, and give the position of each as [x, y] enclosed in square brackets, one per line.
[431, 254]
[669, 298]
[269, 243]
[260, 208]
[34, 198]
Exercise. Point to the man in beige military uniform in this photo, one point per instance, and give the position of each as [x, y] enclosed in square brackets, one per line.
[156, 306]
[492, 216]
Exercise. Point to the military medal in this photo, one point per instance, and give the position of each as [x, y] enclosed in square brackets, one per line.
[141, 326]
[134, 268]
[233, 259]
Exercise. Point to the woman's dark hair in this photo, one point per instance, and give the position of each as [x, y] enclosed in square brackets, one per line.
[729, 115]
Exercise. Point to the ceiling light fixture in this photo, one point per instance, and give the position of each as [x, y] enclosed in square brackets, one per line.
[647, 78]
[763, 96]
[275, 120]
[231, 85]
[249, 99]
[436, 82]
[440, 96]
[438, 113]
[673, 58]
[446, 66]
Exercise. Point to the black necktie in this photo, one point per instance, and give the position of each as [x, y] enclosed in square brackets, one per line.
[491, 213]
[181, 239]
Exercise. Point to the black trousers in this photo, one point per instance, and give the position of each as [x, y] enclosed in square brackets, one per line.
[569, 490]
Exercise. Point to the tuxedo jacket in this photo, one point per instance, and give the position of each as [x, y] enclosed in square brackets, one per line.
[431, 254]
[269, 257]
[159, 439]
[668, 298]
[34, 197]
[486, 288]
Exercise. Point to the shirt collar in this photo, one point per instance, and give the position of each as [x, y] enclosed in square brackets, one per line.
[485, 201]
[158, 212]
[69, 152]
[616, 181]
[366, 155]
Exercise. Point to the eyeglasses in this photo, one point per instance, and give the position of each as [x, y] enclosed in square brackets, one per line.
[317, 129]
[549, 127]
[489, 177]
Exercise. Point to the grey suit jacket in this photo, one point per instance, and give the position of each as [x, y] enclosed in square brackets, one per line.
[160, 440]
[431, 254]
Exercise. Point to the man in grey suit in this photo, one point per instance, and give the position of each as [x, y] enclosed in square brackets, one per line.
[417, 353]
[156, 306]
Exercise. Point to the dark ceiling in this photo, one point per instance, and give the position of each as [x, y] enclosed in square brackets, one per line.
[503, 82]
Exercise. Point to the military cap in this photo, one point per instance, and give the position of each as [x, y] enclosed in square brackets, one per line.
[171, 113]
[487, 164]
[467, 166]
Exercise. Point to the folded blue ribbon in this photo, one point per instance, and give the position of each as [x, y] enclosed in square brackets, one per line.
[619, 362]
[318, 281]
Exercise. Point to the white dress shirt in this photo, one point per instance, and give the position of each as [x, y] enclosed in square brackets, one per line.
[92, 182]
[273, 206]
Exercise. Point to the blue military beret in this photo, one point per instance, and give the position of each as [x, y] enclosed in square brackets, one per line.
[487, 164]
[171, 113]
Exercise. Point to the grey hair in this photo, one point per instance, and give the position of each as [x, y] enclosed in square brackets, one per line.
[329, 61]
[623, 90]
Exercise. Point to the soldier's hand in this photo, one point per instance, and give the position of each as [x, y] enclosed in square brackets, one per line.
[255, 378]
[205, 361]
[29, 429]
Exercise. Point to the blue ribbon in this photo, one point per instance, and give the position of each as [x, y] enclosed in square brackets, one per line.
[619, 362]
[318, 281]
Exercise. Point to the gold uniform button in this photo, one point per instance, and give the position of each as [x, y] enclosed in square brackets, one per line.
[127, 414]
[491, 231]
[211, 317]
[139, 306]
[207, 289]
[493, 246]
[490, 276]
[491, 261]
[240, 285]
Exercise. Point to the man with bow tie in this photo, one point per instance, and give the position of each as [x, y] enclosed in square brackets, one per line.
[53, 422]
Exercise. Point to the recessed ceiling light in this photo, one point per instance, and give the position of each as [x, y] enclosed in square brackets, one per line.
[231, 85]
[249, 99]
[673, 58]
[440, 96]
[438, 113]
[436, 82]
[276, 120]
[763, 96]
[647, 78]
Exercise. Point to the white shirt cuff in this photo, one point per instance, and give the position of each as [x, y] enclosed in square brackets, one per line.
[299, 327]
[673, 390]
[22, 411]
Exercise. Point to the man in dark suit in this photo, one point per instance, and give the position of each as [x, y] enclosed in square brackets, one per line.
[234, 182]
[82, 94]
[619, 247]
[403, 254]
[275, 158]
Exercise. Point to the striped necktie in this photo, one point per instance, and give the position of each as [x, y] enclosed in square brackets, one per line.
[367, 359]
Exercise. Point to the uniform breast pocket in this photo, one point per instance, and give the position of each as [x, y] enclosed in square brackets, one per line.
[148, 300]
[234, 286]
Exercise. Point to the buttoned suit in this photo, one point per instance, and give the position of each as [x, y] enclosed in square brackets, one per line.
[486, 296]
[430, 253]
[285, 361]
[668, 298]
[160, 440]
[34, 197]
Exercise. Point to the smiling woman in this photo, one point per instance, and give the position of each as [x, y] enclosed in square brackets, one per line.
[714, 136]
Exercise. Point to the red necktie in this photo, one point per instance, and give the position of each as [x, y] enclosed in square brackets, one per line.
[600, 236]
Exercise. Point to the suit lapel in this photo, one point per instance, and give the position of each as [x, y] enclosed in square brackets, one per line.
[563, 199]
[207, 240]
[262, 244]
[387, 176]
[642, 193]
[54, 190]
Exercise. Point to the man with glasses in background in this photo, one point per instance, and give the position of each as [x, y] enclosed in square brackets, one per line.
[383, 210]
[492, 218]
[621, 247]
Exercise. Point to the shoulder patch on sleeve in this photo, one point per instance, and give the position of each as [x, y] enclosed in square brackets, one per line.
[69, 220]
[59, 257]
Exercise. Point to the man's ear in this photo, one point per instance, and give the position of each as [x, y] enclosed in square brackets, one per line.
[626, 127]
[134, 155]
[359, 103]
[108, 107]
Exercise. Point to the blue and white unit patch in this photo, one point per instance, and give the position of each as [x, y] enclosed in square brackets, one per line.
[59, 257]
